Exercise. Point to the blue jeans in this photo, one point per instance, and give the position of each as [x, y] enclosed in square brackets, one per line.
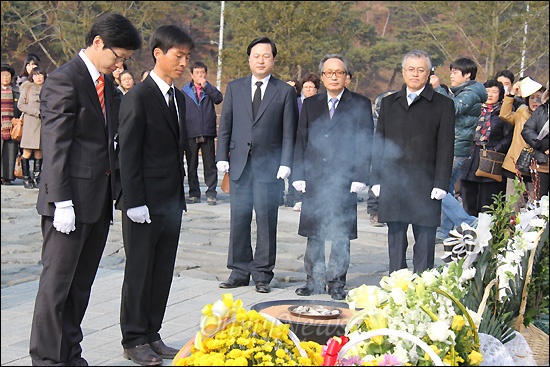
[455, 213]
[453, 209]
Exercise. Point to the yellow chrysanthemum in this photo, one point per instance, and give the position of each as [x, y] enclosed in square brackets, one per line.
[475, 358]
[458, 323]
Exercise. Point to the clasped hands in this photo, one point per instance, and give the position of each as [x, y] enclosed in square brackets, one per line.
[436, 194]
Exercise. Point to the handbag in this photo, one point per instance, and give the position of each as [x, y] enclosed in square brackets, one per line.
[225, 183]
[17, 128]
[490, 164]
[523, 163]
[18, 170]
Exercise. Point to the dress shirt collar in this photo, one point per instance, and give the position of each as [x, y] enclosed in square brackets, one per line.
[337, 97]
[417, 92]
[163, 86]
[264, 84]
[94, 73]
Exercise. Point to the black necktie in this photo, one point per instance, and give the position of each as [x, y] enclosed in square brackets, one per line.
[257, 99]
[172, 105]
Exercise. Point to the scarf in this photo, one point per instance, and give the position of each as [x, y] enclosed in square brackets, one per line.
[7, 107]
[483, 128]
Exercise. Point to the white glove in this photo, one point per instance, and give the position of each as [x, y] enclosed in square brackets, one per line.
[222, 166]
[299, 186]
[357, 187]
[438, 194]
[283, 172]
[64, 217]
[139, 214]
[375, 190]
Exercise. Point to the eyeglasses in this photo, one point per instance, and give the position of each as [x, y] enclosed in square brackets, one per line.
[119, 58]
[418, 70]
[338, 73]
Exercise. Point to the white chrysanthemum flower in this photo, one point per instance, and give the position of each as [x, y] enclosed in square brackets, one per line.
[430, 276]
[467, 274]
[366, 297]
[439, 331]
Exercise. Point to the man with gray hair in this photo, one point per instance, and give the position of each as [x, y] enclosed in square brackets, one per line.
[332, 161]
[412, 162]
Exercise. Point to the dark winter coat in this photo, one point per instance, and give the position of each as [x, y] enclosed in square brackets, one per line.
[330, 154]
[413, 153]
[531, 130]
[500, 140]
[200, 117]
[467, 98]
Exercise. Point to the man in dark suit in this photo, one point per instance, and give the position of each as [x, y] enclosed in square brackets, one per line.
[412, 162]
[152, 140]
[256, 136]
[331, 165]
[78, 186]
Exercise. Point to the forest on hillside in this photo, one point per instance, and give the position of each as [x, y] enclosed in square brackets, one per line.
[373, 35]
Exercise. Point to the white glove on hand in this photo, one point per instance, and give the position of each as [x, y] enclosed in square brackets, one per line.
[283, 172]
[222, 166]
[64, 217]
[357, 187]
[139, 214]
[375, 190]
[438, 194]
[299, 186]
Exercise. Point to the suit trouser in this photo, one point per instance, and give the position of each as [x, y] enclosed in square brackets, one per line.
[150, 258]
[209, 166]
[70, 263]
[248, 194]
[424, 247]
[334, 275]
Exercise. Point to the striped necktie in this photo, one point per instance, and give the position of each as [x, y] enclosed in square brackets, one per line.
[100, 89]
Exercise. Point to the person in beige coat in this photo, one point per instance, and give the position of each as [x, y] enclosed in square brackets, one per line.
[29, 103]
[517, 119]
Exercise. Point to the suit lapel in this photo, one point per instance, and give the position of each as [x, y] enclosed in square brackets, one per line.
[270, 92]
[89, 86]
[159, 99]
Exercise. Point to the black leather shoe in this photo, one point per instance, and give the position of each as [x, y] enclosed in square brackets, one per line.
[78, 362]
[163, 350]
[304, 291]
[262, 287]
[337, 293]
[234, 283]
[143, 355]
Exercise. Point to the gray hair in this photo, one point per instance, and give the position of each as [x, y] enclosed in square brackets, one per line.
[416, 54]
[333, 56]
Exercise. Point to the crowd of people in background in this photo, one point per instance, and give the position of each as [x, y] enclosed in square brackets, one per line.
[310, 144]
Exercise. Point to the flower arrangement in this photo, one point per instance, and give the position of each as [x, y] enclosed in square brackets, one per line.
[503, 250]
[232, 336]
[425, 306]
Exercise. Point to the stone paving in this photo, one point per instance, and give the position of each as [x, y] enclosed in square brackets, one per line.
[200, 266]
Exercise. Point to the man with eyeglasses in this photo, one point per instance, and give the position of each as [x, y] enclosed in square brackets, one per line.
[256, 144]
[79, 183]
[332, 162]
[412, 162]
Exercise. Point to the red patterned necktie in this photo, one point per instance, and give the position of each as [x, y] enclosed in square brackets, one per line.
[100, 88]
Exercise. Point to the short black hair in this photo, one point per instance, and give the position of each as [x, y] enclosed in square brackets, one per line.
[166, 37]
[30, 58]
[37, 71]
[198, 65]
[262, 39]
[507, 74]
[495, 83]
[465, 65]
[116, 31]
[6, 67]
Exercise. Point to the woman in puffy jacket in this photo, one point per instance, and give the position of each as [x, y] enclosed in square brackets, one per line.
[535, 133]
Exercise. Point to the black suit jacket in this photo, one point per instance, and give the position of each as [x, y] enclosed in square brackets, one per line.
[78, 145]
[151, 150]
